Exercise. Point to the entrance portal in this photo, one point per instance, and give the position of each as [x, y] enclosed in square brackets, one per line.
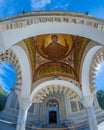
[52, 112]
[52, 117]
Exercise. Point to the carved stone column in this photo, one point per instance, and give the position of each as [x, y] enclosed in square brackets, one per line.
[68, 107]
[24, 105]
[88, 104]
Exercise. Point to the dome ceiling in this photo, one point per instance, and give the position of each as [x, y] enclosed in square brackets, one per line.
[54, 46]
[55, 55]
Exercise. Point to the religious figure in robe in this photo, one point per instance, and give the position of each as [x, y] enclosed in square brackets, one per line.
[55, 50]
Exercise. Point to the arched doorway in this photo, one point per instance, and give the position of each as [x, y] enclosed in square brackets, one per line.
[52, 111]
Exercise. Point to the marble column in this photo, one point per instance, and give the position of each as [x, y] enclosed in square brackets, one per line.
[21, 119]
[24, 105]
[87, 102]
[92, 118]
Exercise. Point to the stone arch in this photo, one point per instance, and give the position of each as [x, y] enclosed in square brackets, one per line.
[25, 69]
[11, 57]
[86, 70]
[56, 82]
[97, 60]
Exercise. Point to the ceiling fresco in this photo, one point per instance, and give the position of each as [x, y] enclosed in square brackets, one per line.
[54, 46]
[56, 55]
[55, 69]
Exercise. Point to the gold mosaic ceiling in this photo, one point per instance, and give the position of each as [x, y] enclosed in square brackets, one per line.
[56, 55]
[54, 47]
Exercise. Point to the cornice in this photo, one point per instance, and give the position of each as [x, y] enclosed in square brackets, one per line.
[25, 19]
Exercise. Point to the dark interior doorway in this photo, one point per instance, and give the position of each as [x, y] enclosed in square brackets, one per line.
[52, 117]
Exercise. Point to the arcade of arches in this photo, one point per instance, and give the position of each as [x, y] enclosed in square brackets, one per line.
[55, 55]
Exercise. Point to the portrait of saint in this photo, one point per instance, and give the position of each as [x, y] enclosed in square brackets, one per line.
[55, 50]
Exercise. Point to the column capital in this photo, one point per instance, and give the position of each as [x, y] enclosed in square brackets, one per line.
[24, 103]
[87, 101]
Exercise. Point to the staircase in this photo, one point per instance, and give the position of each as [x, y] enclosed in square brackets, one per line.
[55, 129]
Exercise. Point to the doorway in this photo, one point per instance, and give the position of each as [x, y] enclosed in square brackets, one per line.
[52, 117]
[52, 112]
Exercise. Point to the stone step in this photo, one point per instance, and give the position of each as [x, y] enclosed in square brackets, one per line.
[54, 126]
[54, 129]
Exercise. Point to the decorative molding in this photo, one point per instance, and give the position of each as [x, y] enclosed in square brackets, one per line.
[97, 60]
[25, 19]
[54, 89]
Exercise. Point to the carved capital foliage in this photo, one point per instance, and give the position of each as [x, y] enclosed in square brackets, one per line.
[87, 101]
[24, 103]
